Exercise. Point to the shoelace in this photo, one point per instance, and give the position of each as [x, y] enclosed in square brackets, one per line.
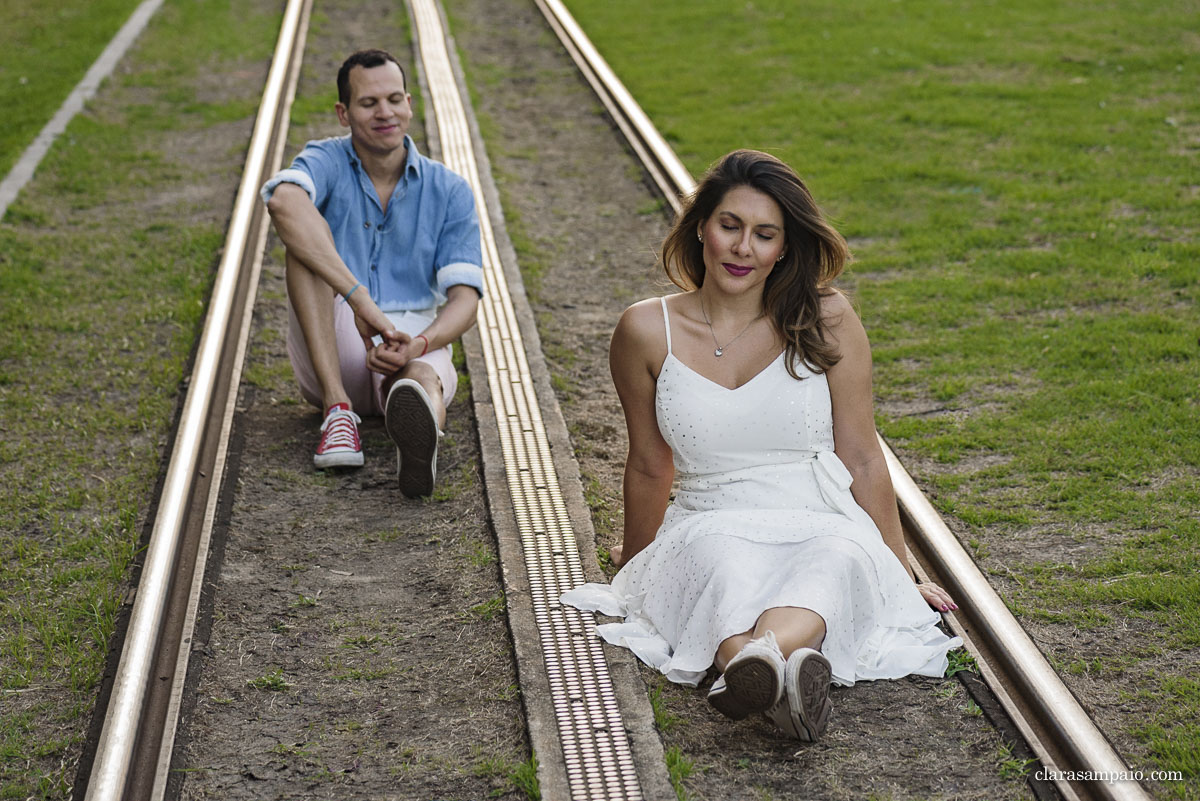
[340, 430]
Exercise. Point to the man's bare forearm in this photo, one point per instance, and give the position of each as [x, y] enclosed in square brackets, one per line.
[454, 318]
[306, 235]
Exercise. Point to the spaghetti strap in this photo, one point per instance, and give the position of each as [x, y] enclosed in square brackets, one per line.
[666, 322]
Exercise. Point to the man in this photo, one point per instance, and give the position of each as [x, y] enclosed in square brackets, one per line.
[376, 236]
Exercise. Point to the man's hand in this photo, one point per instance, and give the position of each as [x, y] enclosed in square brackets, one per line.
[390, 356]
[371, 322]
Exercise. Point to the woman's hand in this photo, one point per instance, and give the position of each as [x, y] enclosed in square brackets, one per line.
[936, 597]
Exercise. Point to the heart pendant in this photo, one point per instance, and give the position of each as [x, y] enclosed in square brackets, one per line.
[718, 351]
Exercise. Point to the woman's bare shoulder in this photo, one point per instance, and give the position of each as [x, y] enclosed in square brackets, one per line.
[642, 323]
[640, 338]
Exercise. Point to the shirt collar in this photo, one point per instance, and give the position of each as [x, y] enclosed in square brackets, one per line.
[413, 164]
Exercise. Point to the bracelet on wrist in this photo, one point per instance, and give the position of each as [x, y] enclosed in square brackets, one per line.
[426, 348]
[346, 297]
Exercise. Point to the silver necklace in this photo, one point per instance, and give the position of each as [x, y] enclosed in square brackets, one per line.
[721, 348]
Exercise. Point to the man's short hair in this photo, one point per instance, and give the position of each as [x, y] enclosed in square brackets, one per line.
[366, 59]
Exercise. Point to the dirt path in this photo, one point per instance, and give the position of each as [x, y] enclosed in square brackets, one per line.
[357, 647]
[586, 228]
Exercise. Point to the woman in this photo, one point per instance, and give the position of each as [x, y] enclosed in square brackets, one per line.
[781, 560]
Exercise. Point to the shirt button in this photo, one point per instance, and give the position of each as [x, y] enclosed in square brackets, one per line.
[373, 267]
[366, 225]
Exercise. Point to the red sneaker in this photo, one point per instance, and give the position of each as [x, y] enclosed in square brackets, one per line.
[340, 445]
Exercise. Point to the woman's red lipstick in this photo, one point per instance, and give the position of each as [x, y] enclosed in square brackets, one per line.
[736, 269]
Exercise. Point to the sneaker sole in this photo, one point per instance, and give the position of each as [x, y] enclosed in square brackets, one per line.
[751, 685]
[812, 677]
[324, 461]
[410, 424]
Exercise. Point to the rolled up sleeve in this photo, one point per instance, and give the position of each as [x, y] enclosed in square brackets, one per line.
[312, 170]
[289, 176]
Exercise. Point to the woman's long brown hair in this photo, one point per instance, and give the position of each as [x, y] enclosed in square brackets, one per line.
[814, 253]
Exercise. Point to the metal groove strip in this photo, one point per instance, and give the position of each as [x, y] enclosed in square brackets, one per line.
[596, 749]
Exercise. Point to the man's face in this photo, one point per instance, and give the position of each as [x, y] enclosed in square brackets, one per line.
[379, 111]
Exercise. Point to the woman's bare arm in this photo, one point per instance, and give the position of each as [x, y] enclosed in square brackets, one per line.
[854, 434]
[635, 356]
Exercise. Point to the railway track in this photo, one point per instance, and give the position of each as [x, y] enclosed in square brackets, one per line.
[133, 755]
[584, 746]
[1048, 716]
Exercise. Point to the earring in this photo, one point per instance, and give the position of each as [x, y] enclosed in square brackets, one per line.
[780, 257]
[699, 237]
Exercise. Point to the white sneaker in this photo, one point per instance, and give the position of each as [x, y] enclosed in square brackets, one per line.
[340, 445]
[803, 711]
[410, 422]
[752, 681]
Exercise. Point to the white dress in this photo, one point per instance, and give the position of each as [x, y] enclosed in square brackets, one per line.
[763, 518]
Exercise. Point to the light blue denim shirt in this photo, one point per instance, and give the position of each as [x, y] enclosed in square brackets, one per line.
[409, 256]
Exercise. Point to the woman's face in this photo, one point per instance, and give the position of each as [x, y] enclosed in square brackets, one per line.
[743, 238]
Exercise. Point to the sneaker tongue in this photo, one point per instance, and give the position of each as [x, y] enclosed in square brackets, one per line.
[337, 407]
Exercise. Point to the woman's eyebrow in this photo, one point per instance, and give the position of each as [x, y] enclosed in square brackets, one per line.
[760, 225]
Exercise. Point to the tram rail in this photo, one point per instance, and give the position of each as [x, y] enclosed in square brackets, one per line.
[1048, 716]
[133, 753]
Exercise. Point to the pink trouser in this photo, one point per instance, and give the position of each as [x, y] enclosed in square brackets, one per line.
[364, 386]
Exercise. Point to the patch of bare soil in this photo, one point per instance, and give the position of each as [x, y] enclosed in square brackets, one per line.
[357, 646]
[586, 221]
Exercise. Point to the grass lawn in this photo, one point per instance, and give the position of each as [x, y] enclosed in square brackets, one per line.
[45, 49]
[105, 264]
[1019, 184]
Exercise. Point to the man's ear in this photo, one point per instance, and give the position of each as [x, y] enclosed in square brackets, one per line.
[343, 114]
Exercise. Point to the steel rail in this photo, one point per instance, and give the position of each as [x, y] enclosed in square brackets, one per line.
[1050, 718]
[129, 761]
[660, 161]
